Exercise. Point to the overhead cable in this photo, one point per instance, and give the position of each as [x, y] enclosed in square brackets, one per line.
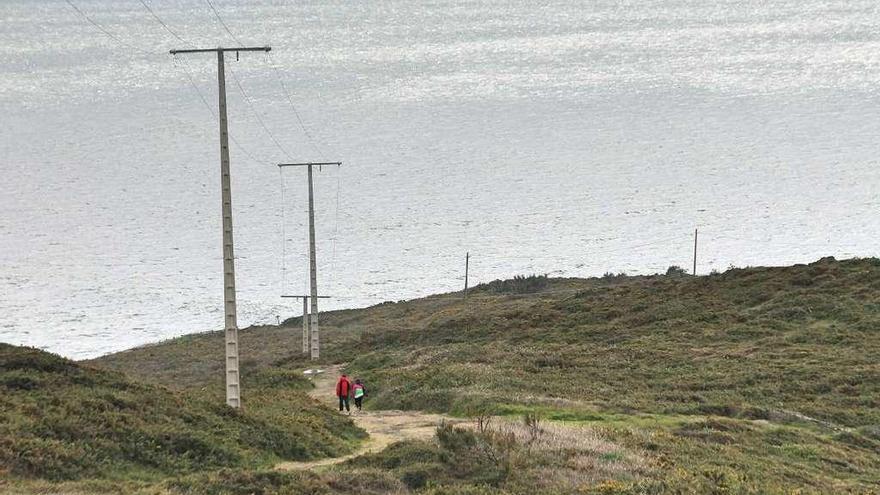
[250, 104]
[293, 107]
[164, 25]
[198, 91]
[105, 31]
[217, 14]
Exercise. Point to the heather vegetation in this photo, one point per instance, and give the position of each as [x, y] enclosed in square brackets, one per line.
[765, 344]
[65, 421]
[751, 381]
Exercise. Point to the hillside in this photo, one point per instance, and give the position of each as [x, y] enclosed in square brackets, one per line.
[757, 380]
[66, 421]
[745, 342]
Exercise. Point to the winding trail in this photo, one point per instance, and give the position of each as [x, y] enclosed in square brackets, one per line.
[384, 427]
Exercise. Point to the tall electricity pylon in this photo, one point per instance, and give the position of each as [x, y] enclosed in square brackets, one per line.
[233, 383]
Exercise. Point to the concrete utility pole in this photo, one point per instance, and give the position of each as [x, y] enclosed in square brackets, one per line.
[306, 333]
[313, 264]
[233, 384]
[695, 253]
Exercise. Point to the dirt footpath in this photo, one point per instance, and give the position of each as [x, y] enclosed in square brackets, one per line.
[384, 427]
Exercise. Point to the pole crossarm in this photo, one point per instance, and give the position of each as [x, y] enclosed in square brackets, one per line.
[220, 49]
[309, 164]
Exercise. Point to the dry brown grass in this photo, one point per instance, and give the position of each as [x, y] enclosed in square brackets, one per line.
[565, 458]
[510, 457]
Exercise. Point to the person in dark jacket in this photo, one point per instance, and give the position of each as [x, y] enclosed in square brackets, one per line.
[343, 391]
[359, 391]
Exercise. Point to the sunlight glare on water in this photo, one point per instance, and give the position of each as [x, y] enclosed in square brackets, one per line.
[569, 138]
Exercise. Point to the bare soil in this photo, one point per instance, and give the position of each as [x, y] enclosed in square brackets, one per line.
[384, 427]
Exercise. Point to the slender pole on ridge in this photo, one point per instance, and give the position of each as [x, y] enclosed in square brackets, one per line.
[467, 259]
[695, 253]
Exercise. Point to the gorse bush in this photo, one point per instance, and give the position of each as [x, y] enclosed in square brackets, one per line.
[676, 271]
[611, 276]
[520, 284]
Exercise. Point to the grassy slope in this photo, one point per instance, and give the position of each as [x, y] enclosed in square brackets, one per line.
[748, 342]
[65, 421]
[761, 379]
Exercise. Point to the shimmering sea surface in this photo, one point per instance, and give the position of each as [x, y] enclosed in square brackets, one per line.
[559, 137]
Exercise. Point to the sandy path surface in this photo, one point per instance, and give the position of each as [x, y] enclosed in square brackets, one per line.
[384, 427]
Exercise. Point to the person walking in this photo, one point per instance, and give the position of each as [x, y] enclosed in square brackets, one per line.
[359, 392]
[343, 391]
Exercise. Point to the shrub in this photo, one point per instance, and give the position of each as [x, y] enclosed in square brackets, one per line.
[402, 454]
[520, 284]
[416, 476]
[676, 271]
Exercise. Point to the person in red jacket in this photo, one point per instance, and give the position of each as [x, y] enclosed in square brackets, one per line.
[343, 391]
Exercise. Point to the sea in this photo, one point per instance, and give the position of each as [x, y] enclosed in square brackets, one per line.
[536, 137]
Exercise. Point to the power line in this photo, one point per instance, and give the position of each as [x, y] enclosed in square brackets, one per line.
[186, 70]
[164, 25]
[217, 14]
[237, 82]
[204, 100]
[250, 104]
[335, 227]
[105, 31]
[192, 82]
[283, 237]
[293, 107]
[247, 98]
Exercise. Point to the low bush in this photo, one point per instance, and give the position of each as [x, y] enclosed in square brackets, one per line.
[676, 271]
[520, 284]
